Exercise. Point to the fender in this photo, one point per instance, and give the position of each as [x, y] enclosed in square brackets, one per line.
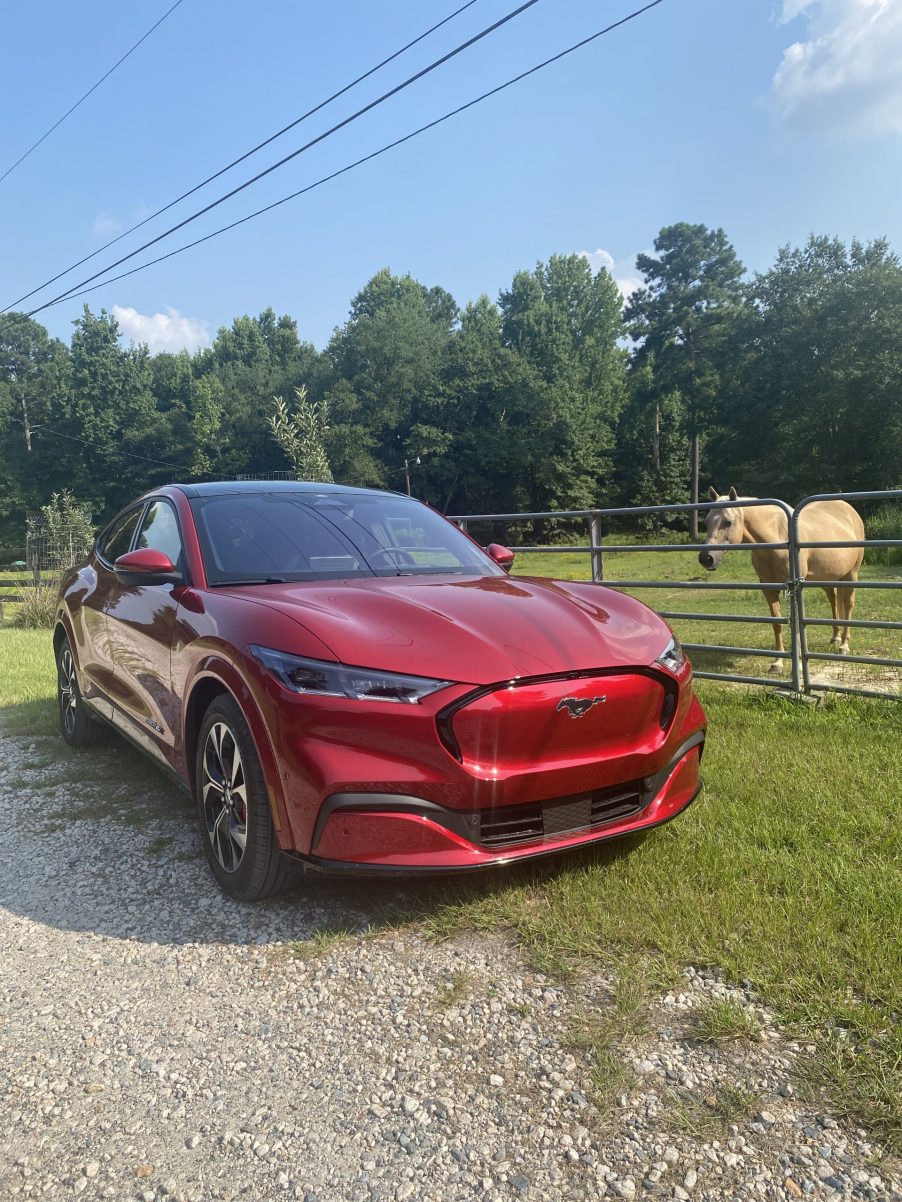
[64, 622]
[214, 667]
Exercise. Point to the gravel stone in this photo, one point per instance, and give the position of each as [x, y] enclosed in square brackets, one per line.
[160, 1042]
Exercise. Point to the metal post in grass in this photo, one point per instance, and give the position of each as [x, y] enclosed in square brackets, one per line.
[595, 537]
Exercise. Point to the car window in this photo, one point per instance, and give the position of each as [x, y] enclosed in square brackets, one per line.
[118, 539]
[160, 531]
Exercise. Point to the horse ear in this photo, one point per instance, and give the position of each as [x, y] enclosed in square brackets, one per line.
[713, 493]
[733, 493]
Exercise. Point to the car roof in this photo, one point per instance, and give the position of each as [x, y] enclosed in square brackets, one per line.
[215, 488]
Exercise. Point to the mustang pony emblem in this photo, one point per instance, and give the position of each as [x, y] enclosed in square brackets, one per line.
[578, 707]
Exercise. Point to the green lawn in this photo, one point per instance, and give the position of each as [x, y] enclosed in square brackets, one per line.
[27, 681]
[786, 873]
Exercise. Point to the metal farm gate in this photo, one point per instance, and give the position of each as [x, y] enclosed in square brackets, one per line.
[796, 621]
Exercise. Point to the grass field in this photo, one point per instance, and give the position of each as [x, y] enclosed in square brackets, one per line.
[787, 873]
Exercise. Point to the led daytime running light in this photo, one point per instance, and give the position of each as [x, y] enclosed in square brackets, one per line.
[325, 679]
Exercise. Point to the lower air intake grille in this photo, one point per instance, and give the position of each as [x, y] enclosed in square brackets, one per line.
[515, 824]
[563, 816]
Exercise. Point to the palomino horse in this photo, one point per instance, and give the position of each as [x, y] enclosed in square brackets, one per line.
[821, 521]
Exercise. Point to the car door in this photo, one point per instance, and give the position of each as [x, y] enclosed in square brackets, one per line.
[89, 617]
[141, 620]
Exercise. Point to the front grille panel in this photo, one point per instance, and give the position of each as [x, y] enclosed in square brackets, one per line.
[616, 808]
[514, 824]
[580, 814]
[565, 816]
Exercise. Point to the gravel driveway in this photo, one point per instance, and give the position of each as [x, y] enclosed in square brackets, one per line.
[158, 1041]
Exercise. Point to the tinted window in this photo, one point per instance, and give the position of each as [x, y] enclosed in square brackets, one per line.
[309, 536]
[118, 539]
[160, 531]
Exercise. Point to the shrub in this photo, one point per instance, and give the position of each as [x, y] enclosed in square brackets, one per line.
[59, 535]
[37, 607]
[302, 435]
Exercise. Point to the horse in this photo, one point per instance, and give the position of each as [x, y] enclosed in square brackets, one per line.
[821, 521]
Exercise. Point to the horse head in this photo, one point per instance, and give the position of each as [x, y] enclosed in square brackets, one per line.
[725, 526]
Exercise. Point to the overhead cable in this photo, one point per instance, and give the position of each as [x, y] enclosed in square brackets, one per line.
[93, 88]
[301, 149]
[366, 158]
[106, 450]
[247, 154]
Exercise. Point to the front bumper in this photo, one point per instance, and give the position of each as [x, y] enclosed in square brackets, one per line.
[366, 832]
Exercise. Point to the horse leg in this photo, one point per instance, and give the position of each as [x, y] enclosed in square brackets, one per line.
[773, 600]
[847, 603]
[834, 606]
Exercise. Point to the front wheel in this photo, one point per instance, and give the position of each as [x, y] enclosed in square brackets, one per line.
[233, 808]
[77, 726]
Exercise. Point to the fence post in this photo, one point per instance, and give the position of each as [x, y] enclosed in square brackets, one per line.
[595, 537]
[796, 608]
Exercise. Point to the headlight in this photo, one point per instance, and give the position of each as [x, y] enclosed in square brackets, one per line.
[326, 679]
[672, 657]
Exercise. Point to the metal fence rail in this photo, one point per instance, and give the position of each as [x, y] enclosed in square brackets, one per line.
[793, 588]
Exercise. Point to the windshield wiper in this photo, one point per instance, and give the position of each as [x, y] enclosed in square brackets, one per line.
[260, 580]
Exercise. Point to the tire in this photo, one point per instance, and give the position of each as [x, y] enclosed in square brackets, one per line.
[77, 726]
[233, 809]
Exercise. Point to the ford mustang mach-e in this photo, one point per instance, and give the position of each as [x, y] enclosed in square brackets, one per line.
[343, 678]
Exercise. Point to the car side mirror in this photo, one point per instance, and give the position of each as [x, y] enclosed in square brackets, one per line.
[501, 555]
[146, 566]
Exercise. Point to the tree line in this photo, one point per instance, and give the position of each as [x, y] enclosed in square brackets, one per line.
[555, 396]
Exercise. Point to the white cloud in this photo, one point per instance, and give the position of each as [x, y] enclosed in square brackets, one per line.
[619, 269]
[107, 225]
[846, 72]
[169, 331]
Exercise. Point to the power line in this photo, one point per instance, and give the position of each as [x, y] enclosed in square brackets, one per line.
[107, 450]
[94, 88]
[366, 158]
[247, 154]
[294, 154]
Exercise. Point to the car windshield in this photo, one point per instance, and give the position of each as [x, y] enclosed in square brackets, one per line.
[276, 537]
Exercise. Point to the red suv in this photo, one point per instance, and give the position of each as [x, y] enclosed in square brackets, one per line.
[343, 678]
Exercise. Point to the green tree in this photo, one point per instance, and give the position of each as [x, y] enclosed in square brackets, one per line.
[105, 408]
[682, 319]
[384, 367]
[497, 408]
[652, 448]
[302, 435]
[206, 426]
[564, 321]
[30, 365]
[818, 403]
[65, 528]
[253, 360]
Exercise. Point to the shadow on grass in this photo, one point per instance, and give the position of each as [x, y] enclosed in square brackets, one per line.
[727, 665]
[101, 841]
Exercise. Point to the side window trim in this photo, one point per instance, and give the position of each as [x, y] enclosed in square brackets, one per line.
[141, 508]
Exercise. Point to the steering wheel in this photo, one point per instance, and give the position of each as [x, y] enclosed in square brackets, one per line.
[395, 556]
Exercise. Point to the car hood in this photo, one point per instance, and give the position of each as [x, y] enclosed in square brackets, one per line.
[469, 630]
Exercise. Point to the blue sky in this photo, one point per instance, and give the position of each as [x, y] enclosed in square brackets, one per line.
[771, 118]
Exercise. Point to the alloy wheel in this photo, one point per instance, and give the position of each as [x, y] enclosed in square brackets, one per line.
[68, 691]
[224, 797]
